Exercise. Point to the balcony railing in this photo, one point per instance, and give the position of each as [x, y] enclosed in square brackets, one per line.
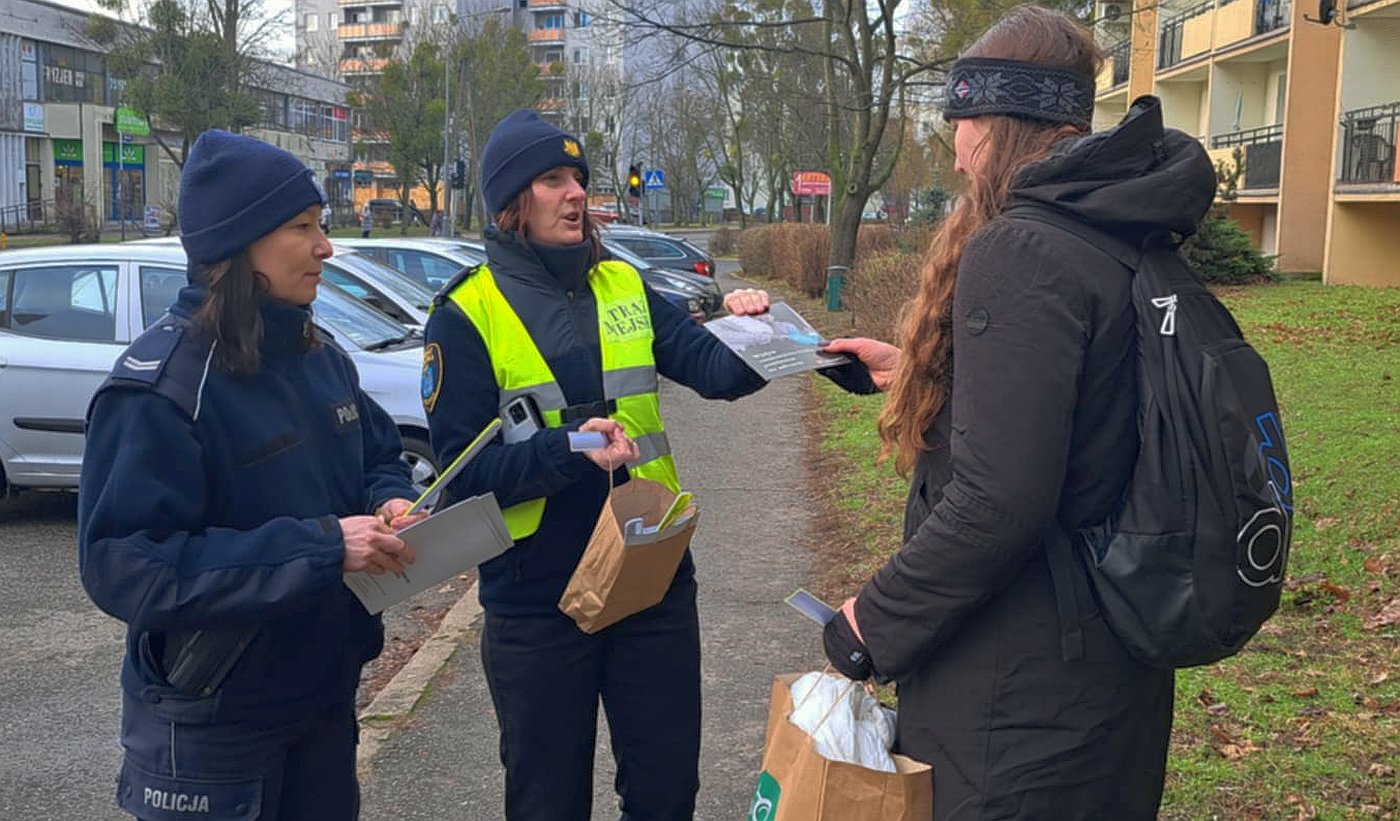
[1169, 40]
[1368, 144]
[1263, 151]
[547, 36]
[1271, 15]
[370, 31]
[1120, 55]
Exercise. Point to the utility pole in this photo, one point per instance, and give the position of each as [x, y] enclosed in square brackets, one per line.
[446, 139]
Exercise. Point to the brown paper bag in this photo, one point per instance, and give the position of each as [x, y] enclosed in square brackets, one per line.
[797, 784]
[614, 580]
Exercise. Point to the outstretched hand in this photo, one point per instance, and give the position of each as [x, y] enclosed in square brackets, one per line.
[747, 302]
[880, 358]
[620, 449]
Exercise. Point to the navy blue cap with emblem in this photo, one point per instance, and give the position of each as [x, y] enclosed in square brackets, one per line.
[521, 147]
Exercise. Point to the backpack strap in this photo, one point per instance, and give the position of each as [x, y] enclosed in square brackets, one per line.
[1068, 577]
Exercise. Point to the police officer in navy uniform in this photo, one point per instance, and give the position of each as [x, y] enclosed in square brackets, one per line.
[550, 318]
[234, 471]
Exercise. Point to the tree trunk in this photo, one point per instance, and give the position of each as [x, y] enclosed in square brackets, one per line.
[845, 226]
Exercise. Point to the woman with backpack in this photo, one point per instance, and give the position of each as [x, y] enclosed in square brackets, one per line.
[1012, 397]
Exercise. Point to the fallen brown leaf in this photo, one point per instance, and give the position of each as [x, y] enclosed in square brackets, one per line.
[1374, 564]
[1380, 678]
[1325, 522]
[1380, 771]
[1388, 615]
[1306, 692]
[1338, 592]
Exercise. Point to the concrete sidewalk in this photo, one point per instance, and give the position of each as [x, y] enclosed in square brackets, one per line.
[743, 461]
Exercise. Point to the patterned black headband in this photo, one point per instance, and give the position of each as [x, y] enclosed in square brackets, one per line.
[978, 85]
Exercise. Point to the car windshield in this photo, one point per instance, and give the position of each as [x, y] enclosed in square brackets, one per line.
[355, 322]
[627, 256]
[384, 277]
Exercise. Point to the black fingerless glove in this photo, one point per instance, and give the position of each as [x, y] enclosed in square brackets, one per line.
[846, 652]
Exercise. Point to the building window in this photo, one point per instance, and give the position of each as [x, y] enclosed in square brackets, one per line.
[71, 75]
[582, 19]
[580, 56]
[28, 70]
[439, 14]
[552, 21]
[310, 21]
[330, 19]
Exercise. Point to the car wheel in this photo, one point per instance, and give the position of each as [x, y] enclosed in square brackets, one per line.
[422, 463]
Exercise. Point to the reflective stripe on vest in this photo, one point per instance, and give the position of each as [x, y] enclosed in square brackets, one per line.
[629, 369]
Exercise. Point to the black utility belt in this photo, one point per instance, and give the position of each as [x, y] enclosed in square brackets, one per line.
[588, 410]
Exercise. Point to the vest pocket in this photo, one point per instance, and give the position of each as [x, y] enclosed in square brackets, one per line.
[154, 797]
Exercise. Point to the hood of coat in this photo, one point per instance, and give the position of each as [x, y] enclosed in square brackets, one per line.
[1133, 180]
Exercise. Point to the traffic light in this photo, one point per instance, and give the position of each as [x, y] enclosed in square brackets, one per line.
[458, 179]
[634, 181]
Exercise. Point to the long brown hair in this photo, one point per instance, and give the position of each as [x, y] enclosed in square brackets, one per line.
[516, 217]
[924, 379]
[230, 316]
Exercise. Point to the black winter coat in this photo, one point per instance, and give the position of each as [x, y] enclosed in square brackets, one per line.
[1040, 429]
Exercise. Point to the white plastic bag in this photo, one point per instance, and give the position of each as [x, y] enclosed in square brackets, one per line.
[845, 722]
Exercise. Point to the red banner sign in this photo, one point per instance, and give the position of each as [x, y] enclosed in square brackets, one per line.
[811, 184]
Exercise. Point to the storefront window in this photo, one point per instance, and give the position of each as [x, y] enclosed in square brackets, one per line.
[69, 75]
[126, 180]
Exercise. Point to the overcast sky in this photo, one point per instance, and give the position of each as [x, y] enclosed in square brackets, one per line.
[284, 44]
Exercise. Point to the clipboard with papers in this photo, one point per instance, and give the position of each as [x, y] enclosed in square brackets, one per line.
[447, 543]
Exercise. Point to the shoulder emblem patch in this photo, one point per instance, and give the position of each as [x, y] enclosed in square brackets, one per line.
[571, 148]
[432, 375]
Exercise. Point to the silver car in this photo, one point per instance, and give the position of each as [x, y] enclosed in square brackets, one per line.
[380, 286]
[429, 262]
[67, 313]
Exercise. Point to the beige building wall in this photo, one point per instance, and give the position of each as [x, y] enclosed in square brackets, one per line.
[1365, 244]
[1307, 179]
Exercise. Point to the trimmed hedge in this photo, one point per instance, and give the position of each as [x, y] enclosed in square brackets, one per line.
[878, 291]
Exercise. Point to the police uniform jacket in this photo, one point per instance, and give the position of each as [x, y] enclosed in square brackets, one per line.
[461, 395]
[210, 502]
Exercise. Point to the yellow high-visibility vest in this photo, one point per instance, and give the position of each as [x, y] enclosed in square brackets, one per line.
[629, 369]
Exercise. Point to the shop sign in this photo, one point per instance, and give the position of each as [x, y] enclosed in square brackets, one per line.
[131, 154]
[127, 121]
[68, 151]
[33, 116]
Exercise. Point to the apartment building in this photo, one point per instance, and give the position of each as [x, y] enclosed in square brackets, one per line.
[1309, 107]
[59, 112]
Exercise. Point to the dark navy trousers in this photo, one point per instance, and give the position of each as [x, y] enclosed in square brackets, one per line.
[546, 678]
[181, 765]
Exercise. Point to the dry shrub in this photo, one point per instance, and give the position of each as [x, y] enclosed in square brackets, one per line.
[915, 240]
[756, 250]
[878, 290]
[872, 241]
[800, 252]
[723, 242]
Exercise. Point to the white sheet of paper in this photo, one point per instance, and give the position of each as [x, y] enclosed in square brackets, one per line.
[447, 543]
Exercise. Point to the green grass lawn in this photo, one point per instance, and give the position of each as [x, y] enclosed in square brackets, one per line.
[1305, 722]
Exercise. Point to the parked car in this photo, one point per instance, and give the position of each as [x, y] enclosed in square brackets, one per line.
[388, 211]
[429, 262]
[679, 287]
[383, 288]
[67, 312]
[663, 249]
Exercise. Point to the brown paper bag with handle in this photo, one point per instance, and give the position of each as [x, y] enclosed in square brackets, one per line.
[614, 580]
[798, 784]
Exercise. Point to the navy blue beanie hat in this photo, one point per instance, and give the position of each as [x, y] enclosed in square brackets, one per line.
[522, 147]
[235, 190]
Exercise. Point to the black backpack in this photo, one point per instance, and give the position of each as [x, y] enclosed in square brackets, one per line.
[1191, 564]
